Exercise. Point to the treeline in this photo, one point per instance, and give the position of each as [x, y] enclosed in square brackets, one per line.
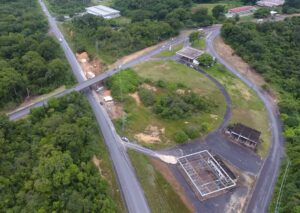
[150, 22]
[273, 49]
[291, 6]
[45, 160]
[113, 40]
[31, 62]
[68, 7]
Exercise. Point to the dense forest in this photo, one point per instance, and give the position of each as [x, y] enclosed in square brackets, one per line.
[70, 7]
[31, 61]
[45, 160]
[273, 49]
[148, 23]
[291, 6]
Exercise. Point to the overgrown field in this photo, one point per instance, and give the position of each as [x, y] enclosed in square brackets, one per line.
[166, 104]
[159, 193]
[247, 108]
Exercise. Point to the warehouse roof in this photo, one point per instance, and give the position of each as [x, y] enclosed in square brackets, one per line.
[102, 10]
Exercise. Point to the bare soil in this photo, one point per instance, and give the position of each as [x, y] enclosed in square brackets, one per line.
[149, 87]
[136, 97]
[151, 135]
[95, 65]
[167, 174]
[226, 52]
[97, 163]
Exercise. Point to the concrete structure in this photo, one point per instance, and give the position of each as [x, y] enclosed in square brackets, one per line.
[189, 54]
[245, 135]
[103, 11]
[241, 11]
[270, 3]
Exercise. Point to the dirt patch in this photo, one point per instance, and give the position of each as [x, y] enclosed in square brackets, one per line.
[167, 174]
[151, 135]
[226, 52]
[136, 97]
[94, 66]
[97, 163]
[180, 91]
[149, 87]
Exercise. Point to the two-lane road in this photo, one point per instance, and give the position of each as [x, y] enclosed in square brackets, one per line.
[131, 190]
[264, 187]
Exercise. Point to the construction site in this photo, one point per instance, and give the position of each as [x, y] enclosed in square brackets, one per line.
[205, 175]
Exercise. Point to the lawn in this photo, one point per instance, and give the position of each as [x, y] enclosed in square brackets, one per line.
[159, 193]
[168, 53]
[228, 4]
[247, 108]
[199, 44]
[139, 117]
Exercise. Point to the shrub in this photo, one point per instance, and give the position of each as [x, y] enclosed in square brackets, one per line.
[181, 137]
[192, 131]
[147, 96]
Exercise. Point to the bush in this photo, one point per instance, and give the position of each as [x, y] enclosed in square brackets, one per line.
[181, 137]
[192, 132]
[123, 83]
[206, 60]
[147, 96]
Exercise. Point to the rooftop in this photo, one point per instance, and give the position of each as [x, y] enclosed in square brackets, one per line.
[190, 53]
[246, 132]
[241, 9]
[103, 10]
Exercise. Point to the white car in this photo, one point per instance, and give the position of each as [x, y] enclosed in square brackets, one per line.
[125, 139]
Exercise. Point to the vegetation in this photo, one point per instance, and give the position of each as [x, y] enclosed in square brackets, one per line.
[246, 106]
[69, 7]
[176, 106]
[160, 195]
[291, 6]
[112, 39]
[168, 53]
[262, 13]
[219, 12]
[31, 62]
[206, 60]
[163, 106]
[151, 22]
[273, 49]
[46, 165]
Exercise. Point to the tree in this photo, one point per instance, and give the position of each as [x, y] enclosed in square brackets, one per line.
[147, 97]
[181, 137]
[219, 11]
[194, 36]
[206, 60]
[262, 13]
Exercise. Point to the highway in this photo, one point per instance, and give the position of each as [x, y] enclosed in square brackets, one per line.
[267, 177]
[131, 190]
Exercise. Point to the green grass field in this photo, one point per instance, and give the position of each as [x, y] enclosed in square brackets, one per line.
[168, 53]
[227, 3]
[140, 117]
[247, 108]
[160, 195]
[199, 44]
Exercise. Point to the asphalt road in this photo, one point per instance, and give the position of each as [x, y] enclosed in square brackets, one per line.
[131, 190]
[264, 187]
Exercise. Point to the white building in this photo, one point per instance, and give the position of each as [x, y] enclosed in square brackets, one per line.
[103, 11]
[270, 3]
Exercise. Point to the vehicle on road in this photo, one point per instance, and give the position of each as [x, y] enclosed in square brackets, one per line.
[125, 139]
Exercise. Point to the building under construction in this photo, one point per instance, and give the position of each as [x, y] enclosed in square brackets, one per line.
[205, 174]
[244, 135]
